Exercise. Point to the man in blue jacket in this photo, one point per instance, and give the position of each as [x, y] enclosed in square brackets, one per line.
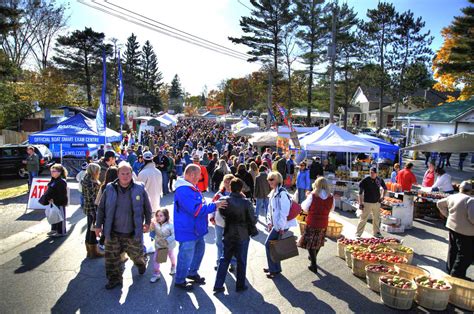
[190, 226]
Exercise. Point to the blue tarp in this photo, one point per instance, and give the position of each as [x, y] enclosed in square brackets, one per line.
[77, 129]
[387, 150]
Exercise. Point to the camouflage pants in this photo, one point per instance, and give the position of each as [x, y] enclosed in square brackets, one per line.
[114, 247]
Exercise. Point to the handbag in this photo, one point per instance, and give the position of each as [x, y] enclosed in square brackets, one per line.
[53, 214]
[161, 255]
[282, 249]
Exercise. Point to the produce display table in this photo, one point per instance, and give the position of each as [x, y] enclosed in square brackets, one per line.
[397, 212]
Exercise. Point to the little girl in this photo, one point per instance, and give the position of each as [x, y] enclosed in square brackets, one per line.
[164, 238]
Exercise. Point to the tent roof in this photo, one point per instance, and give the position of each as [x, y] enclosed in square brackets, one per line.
[77, 129]
[457, 143]
[169, 117]
[245, 123]
[332, 138]
[447, 112]
[384, 146]
[264, 138]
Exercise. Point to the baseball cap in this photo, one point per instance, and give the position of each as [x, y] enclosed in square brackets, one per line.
[147, 155]
[84, 166]
[109, 154]
[373, 169]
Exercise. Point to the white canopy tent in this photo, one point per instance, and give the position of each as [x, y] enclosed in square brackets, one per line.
[170, 118]
[260, 139]
[245, 123]
[332, 138]
[457, 143]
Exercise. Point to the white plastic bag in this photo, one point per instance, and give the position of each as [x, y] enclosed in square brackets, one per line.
[54, 214]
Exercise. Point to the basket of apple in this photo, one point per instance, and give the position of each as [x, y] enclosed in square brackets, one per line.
[349, 249]
[342, 243]
[404, 251]
[390, 259]
[373, 273]
[381, 248]
[360, 260]
[432, 293]
[397, 292]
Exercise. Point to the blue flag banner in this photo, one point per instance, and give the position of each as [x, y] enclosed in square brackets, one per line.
[120, 90]
[101, 116]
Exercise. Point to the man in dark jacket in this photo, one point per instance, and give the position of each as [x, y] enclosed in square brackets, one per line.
[281, 166]
[124, 213]
[316, 169]
[262, 189]
[105, 163]
[162, 163]
[239, 218]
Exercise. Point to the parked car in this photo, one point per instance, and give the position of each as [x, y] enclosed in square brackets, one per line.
[392, 136]
[12, 156]
[368, 131]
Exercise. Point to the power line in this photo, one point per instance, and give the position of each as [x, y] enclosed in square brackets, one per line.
[183, 36]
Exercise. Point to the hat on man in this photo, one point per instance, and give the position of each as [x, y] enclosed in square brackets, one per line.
[196, 158]
[109, 154]
[84, 166]
[373, 169]
[148, 155]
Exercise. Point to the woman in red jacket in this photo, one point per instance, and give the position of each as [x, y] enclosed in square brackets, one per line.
[318, 205]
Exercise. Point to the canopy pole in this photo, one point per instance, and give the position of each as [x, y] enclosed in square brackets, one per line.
[61, 153]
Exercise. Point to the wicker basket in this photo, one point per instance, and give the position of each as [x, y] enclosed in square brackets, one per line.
[410, 271]
[358, 266]
[397, 298]
[462, 294]
[340, 250]
[334, 229]
[433, 299]
[348, 258]
[372, 278]
[408, 256]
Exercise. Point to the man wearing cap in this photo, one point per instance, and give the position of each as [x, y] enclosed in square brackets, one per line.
[153, 180]
[204, 179]
[132, 156]
[105, 163]
[371, 191]
[459, 211]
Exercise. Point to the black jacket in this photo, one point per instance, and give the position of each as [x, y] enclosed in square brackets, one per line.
[315, 170]
[248, 179]
[238, 215]
[57, 191]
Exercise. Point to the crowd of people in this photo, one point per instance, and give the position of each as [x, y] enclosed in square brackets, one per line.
[122, 201]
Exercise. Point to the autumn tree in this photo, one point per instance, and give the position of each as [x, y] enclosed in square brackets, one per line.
[453, 64]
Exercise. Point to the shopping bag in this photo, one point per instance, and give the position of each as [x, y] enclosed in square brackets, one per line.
[161, 255]
[53, 214]
[282, 249]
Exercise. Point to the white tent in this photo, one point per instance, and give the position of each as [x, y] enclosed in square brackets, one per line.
[332, 138]
[264, 139]
[170, 118]
[245, 123]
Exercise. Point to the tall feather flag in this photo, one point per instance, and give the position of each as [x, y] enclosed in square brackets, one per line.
[284, 114]
[101, 116]
[120, 90]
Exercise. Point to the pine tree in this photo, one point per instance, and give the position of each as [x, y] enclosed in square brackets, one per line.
[150, 77]
[80, 56]
[132, 69]
[176, 94]
[309, 16]
[410, 47]
[379, 35]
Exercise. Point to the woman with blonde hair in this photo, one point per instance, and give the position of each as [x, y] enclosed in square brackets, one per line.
[318, 205]
[278, 210]
[90, 189]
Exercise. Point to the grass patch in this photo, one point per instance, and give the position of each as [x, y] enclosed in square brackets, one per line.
[14, 191]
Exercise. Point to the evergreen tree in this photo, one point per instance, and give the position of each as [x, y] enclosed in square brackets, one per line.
[379, 36]
[80, 56]
[132, 69]
[150, 78]
[309, 16]
[411, 46]
[176, 94]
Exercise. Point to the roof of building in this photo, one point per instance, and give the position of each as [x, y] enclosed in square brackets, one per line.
[447, 112]
[433, 96]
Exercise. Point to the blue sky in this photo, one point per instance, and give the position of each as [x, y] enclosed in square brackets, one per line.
[215, 20]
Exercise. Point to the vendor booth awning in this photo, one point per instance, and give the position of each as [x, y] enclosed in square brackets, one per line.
[170, 118]
[458, 143]
[264, 139]
[247, 131]
[245, 123]
[387, 150]
[332, 138]
[77, 129]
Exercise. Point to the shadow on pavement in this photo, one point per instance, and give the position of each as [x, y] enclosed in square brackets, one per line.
[436, 223]
[422, 234]
[34, 215]
[250, 301]
[19, 199]
[304, 300]
[35, 256]
[430, 261]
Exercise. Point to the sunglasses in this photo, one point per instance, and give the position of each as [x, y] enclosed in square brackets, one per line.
[270, 180]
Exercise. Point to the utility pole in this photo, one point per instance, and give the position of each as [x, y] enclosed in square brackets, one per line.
[332, 55]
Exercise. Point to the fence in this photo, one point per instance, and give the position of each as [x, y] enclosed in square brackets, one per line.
[13, 137]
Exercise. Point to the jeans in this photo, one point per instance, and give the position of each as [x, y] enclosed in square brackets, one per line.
[262, 203]
[166, 178]
[460, 254]
[31, 175]
[301, 195]
[189, 259]
[272, 267]
[237, 249]
[220, 245]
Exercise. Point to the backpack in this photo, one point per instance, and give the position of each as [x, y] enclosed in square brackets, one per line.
[295, 208]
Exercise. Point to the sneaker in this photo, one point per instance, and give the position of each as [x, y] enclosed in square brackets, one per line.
[219, 290]
[378, 235]
[141, 269]
[173, 270]
[52, 232]
[184, 286]
[155, 278]
[197, 279]
[58, 235]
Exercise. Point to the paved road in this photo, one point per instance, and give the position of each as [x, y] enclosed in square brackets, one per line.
[39, 274]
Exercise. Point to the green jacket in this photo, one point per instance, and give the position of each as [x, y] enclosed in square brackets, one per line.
[32, 163]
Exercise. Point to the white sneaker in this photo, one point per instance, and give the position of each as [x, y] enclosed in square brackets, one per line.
[173, 270]
[155, 278]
